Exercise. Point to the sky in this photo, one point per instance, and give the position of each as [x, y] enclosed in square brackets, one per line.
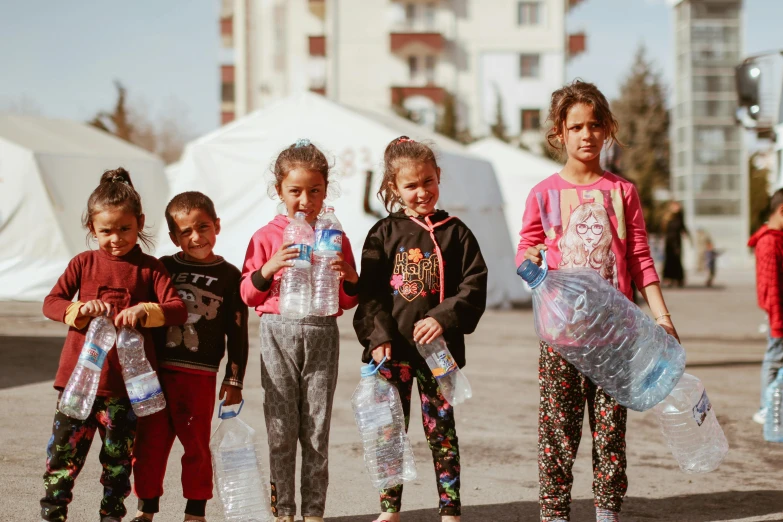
[60, 59]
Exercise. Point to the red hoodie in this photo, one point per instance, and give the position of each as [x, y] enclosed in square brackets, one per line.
[263, 245]
[769, 275]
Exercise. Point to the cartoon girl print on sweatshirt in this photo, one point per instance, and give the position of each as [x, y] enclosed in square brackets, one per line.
[587, 242]
[199, 303]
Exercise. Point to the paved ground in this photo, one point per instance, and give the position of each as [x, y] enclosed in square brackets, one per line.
[497, 428]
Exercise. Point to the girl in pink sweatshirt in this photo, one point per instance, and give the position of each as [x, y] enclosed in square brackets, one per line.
[298, 357]
[585, 217]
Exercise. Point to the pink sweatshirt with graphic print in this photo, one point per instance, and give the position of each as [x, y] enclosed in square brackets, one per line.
[263, 245]
[599, 226]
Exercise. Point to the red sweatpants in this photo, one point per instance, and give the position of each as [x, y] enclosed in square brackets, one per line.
[190, 402]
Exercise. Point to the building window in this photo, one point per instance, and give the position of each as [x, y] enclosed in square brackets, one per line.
[410, 14]
[530, 13]
[430, 68]
[413, 67]
[528, 65]
[227, 92]
[429, 16]
[716, 207]
[531, 119]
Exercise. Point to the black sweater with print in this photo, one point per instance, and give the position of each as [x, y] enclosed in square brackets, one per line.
[217, 320]
[406, 277]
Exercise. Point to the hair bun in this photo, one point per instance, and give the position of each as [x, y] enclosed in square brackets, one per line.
[118, 175]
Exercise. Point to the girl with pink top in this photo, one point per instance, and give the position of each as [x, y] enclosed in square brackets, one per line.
[298, 357]
[588, 218]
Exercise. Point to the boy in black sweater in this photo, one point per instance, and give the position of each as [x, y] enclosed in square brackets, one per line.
[189, 359]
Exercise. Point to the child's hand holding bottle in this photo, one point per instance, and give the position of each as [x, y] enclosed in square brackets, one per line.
[280, 260]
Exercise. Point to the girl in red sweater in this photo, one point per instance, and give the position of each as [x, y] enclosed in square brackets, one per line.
[298, 357]
[120, 280]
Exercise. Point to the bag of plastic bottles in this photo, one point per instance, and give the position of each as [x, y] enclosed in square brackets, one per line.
[295, 286]
[79, 394]
[691, 428]
[381, 422]
[452, 382]
[237, 468]
[603, 334]
[141, 382]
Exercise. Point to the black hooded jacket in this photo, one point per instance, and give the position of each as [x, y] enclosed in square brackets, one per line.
[406, 276]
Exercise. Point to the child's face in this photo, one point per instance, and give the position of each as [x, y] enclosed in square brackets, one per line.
[417, 185]
[116, 230]
[196, 235]
[583, 135]
[303, 190]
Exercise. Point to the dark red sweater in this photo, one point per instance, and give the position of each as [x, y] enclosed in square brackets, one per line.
[769, 275]
[122, 282]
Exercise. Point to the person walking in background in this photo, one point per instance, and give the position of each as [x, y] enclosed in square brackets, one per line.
[673, 230]
[768, 242]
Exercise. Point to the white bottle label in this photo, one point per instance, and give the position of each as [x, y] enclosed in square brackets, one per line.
[328, 240]
[93, 357]
[445, 362]
[702, 408]
[378, 416]
[143, 387]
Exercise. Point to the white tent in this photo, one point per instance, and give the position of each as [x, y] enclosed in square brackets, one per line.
[517, 171]
[48, 168]
[231, 165]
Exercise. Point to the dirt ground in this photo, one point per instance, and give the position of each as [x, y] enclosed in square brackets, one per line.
[497, 428]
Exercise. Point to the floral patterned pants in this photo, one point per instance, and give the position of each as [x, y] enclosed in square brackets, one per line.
[437, 415]
[563, 393]
[67, 450]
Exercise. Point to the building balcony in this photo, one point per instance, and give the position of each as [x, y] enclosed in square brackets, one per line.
[317, 45]
[226, 117]
[227, 31]
[577, 44]
[425, 2]
[400, 93]
[226, 74]
[570, 4]
[409, 42]
[319, 90]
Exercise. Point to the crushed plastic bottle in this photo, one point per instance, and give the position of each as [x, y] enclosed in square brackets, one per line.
[603, 334]
[453, 384]
[773, 422]
[295, 287]
[79, 394]
[141, 382]
[378, 412]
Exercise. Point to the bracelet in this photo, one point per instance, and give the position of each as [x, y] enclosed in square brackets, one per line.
[667, 314]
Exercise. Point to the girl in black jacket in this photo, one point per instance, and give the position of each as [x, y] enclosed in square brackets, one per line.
[422, 276]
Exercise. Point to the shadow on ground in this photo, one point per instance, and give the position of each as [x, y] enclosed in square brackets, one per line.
[691, 508]
[28, 360]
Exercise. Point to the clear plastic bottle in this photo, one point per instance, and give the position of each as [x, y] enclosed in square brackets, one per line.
[691, 428]
[144, 391]
[773, 423]
[295, 286]
[237, 468]
[378, 412]
[452, 382]
[326, 282]
[79, 394]
[604, 335]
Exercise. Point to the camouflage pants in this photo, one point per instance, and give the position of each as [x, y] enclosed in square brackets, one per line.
[298, 374]
[67, 450]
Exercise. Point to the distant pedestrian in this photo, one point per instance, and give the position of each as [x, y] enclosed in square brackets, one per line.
[585, 217]
[768, 242]
[710, 260]
[674, 228]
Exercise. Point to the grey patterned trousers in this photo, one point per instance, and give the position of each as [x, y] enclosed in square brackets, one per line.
[298, 374]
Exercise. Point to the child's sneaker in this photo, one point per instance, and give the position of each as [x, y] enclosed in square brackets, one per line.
[760, 416]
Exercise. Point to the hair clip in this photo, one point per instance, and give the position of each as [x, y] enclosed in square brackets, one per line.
[118, 179]
[403, 139]
[301, 142]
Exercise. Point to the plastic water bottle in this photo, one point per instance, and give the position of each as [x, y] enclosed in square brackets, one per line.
[240, 483]
[773, 423]
[690, 427]
[326, 282]
[295, 287]
[381, 422]
[452, 382]
[144, 391]
[79, 394]
[603, 334]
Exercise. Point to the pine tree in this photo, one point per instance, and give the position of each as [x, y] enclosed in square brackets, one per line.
[499, 128]
[117, 122]
[447, 120]
[758, 191]
[644, 130]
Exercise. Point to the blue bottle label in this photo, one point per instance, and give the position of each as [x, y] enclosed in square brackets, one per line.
[305, 252]
[702, 408]
[328, 240]
[93, 356]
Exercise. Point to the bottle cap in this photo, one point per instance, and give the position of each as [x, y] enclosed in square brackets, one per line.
[300, 215]
[328, 209]
[370, 369]
[532, 273]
